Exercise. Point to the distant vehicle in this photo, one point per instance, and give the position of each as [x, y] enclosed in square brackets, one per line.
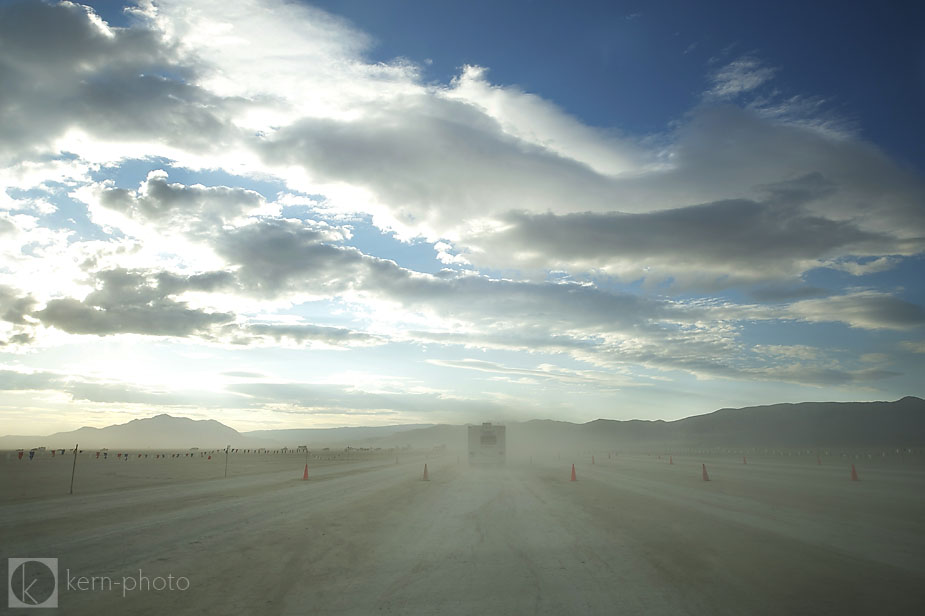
[486, 444]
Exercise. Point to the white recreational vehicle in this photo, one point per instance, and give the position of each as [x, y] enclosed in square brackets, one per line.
[486, 444]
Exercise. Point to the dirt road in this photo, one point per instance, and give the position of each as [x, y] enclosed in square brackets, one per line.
[633, 535]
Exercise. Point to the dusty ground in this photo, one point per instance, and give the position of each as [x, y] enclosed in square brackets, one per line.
[634, 535]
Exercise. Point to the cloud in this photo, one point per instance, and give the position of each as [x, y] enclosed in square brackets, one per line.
[271, 54]
[167, 318]
[13, 306]
[146, 303]
[819, 375]
[534, 120]
[292, 259]
[776, 292]
[863, 309]
[545, 372]
[68, 71]
[792, 351]
[299, 335]
[443, 169]
[124, 393]
[724, 150]
[15, 328]
[458, 162]
[858, 268]
[173, 207]
[913, 346]
[323, 399]
[278, 256]
[14, 380]
[766, 241]
[81, 388]
[744, 74]
[808, 365]
[432, 165]
[129, 302]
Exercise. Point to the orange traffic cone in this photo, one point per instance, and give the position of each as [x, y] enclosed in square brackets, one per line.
[705, 476]
[425, 478]
[305, 474]
[574, 478]
[854, 474]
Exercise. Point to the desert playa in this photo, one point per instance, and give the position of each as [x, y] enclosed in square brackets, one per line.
[635, 534]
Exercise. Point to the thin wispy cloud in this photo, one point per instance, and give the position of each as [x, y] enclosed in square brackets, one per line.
[744, 74]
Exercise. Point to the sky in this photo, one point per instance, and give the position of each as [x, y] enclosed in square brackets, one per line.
[291, 214]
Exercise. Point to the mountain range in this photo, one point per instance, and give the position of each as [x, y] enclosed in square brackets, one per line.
[802, 425]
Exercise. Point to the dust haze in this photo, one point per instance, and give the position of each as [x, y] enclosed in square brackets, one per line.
[523, 518]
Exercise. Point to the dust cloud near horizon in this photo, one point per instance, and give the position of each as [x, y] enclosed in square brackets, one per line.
[697, 532]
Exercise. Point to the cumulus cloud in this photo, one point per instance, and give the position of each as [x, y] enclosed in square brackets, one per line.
[445, 169]
[121, 84]
[765, 240]
[149, 303]
[280, 256]
[15, 328]
[286, 60]
[292, 259]
[128, 302]
[14, 306]
[173, 207]
[537, 121]
[458, 162]
[434, 165]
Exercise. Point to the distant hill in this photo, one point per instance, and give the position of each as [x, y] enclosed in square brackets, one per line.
[804, 425]
[836, 424]
[168, 432]
[808, 424]
[162, 431]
